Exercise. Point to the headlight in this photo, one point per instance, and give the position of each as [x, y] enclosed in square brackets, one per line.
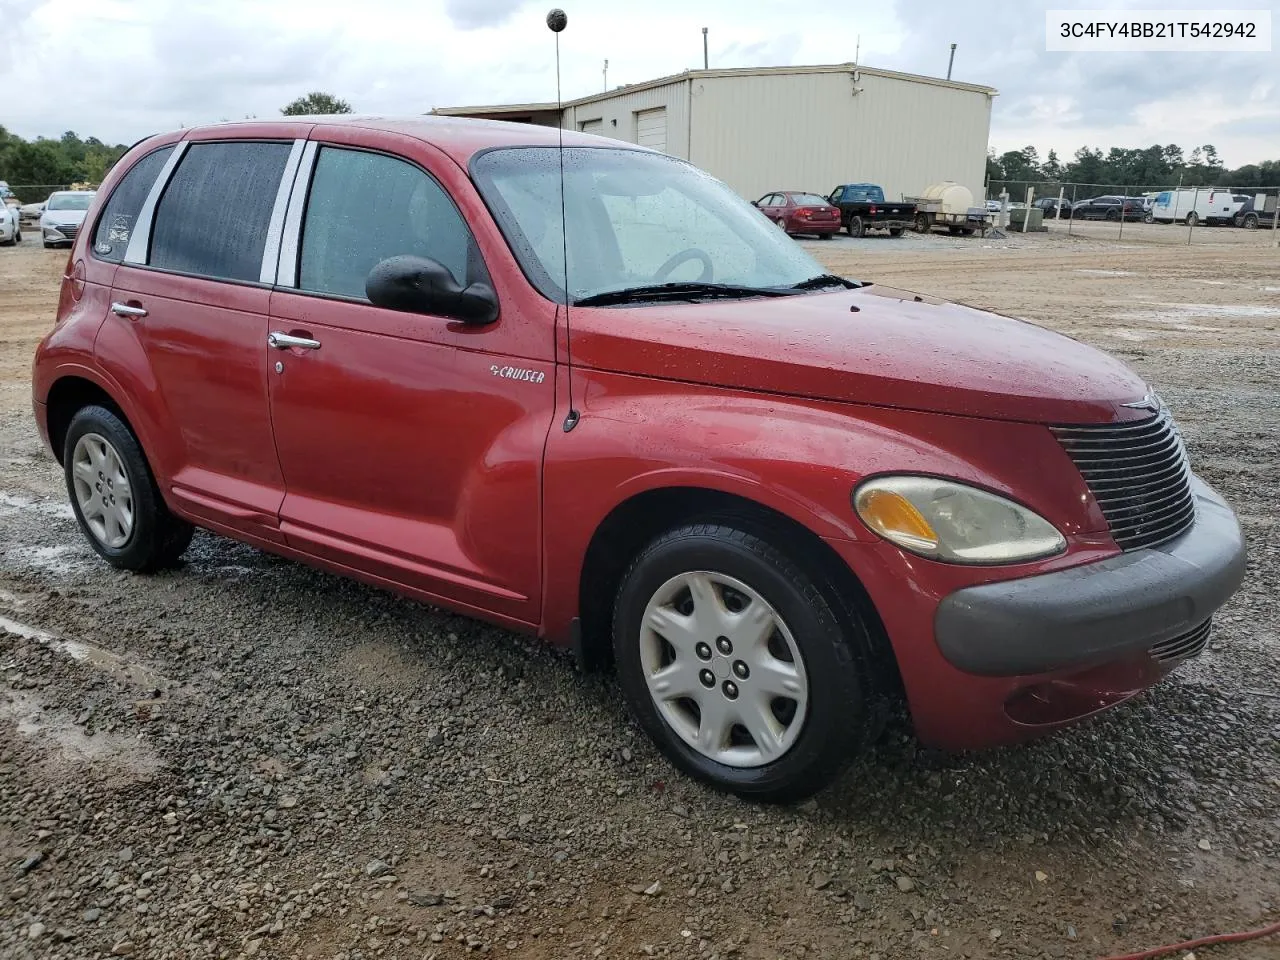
[944, 520]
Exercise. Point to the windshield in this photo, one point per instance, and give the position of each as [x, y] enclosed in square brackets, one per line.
[808, 200]
[69, 201]
[634, 218]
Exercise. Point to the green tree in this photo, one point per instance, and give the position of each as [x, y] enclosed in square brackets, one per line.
[1051, 169]
[1088, 166]
[315, 103]
[994, 170]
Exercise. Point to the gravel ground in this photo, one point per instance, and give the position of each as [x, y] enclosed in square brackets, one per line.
[246, 757]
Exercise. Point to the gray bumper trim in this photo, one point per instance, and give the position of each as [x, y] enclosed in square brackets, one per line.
[1098, 611]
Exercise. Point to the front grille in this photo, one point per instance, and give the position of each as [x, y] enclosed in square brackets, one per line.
[68, 230]
[1183, 646]
[1139, 474]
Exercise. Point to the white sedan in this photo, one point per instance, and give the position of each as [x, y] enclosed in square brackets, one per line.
[10, 227]
[63, 216]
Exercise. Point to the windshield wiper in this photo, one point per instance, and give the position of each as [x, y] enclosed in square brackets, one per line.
[677, 291]
[825, 280]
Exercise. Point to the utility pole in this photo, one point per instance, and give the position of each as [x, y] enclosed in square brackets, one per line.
[606, 76]
[951, 61]
[705, 61]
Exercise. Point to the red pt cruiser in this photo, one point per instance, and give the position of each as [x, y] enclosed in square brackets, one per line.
[653, 430]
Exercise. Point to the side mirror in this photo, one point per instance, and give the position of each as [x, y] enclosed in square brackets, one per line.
[422, 285]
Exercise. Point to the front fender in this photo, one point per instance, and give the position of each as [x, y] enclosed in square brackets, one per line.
[800, 458]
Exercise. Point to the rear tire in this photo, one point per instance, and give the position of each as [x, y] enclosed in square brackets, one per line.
[1113, 215]
[895, 231]
[99, 447]
[1192, 219]
[659, 623]
[1250, 221]
[856, 227]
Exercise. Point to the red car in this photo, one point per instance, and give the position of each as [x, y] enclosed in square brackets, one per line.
[797, 212]
[775, 498]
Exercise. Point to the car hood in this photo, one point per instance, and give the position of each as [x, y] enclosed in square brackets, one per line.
[69, 217]
[873, 345]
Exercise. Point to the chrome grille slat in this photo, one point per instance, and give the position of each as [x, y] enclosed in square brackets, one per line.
[1139, 476]
[1127, 454]
[1148, 496]
[1156, 479]
[1185, 645]
[1171, 515]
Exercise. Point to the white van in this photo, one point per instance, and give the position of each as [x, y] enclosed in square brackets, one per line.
[1203, 205]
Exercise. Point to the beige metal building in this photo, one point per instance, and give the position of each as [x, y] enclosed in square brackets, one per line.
[793, 128]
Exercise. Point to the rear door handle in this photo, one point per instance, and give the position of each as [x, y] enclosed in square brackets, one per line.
[127, 310]
[287, 341]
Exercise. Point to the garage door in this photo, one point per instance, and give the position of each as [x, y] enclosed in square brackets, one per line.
[592, 126]
[651, 128]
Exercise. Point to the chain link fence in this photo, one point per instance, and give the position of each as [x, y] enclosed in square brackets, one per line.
[1145, 213]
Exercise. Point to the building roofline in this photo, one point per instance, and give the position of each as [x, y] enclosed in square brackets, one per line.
[495, 108]
[780, 71]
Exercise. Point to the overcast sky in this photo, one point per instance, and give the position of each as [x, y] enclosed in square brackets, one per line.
[122, 69]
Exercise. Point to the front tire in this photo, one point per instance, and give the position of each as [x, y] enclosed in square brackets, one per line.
[115, 497]
[734, 661]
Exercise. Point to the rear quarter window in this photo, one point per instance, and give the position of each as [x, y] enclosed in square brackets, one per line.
[120, 215]
[212, 220]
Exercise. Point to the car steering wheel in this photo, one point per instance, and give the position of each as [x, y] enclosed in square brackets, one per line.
[693, 253]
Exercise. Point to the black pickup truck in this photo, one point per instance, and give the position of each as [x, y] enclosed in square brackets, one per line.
[863, 207]
[1251, 215]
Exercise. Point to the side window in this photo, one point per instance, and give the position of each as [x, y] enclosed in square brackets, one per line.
[212, 219]
[119, 216]
[365, 207]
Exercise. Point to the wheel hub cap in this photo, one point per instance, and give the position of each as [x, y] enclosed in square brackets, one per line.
[702, 626]
[102, 490]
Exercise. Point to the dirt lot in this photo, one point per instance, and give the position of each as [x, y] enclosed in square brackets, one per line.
[247, 757]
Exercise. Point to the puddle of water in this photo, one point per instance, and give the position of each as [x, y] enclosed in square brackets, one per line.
[11, 503]
[123, 668]
[1128, 333]
[1107, 273]
[61, 561]
[57, 733]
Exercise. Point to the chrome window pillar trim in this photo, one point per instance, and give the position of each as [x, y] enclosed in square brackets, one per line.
[275, 226]
[286, 274]
[140, 241]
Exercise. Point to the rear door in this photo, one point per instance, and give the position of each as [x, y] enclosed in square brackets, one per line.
[194, 289]
[411, 444]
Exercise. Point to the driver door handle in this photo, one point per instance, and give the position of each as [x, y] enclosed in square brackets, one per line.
[287, 341]
[126, 310]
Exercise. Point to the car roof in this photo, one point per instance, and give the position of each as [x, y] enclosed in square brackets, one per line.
[70, 193]
[460, 137]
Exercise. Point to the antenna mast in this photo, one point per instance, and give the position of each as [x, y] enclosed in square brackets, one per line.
[557, 20]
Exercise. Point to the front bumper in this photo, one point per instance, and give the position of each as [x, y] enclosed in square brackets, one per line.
[53, 233]
[1097, 612]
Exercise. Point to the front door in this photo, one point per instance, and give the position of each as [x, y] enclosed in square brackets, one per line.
[195, 300]
[411, 445]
